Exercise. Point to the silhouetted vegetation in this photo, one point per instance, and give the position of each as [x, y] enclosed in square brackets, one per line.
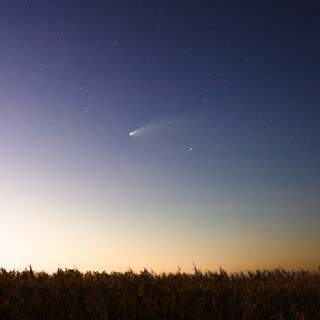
[70, 294]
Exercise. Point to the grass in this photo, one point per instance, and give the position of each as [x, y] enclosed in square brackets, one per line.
[70, 294]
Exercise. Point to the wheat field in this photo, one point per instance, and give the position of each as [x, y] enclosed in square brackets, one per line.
[70, 294]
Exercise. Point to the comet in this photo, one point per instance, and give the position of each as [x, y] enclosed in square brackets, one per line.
[150, 128]
[136, 132]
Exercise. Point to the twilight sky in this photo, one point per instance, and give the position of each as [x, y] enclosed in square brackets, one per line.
[222, 166]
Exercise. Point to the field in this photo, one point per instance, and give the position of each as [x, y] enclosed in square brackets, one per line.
[70, 294]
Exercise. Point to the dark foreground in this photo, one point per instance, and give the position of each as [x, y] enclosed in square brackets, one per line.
[73, 295]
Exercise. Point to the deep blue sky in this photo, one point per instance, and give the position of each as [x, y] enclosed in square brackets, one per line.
[224, 97]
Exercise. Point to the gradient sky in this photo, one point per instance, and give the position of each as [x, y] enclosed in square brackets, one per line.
[224, 170]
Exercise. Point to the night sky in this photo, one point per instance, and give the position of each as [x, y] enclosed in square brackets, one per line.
[159, 134]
